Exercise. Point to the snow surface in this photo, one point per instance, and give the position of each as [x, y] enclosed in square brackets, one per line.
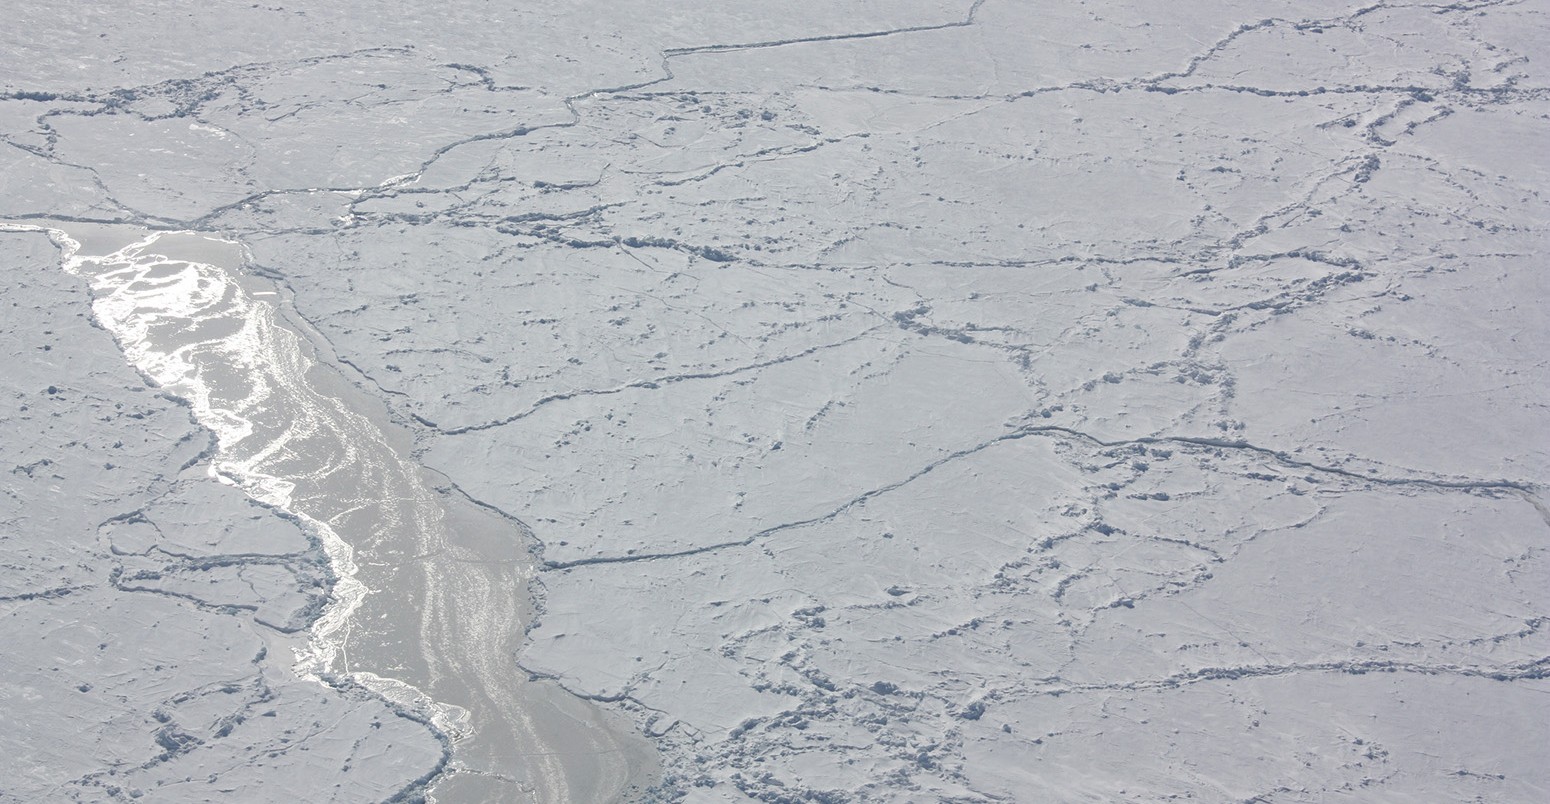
[898, 401]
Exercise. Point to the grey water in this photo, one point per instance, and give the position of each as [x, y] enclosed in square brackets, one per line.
[430, 601]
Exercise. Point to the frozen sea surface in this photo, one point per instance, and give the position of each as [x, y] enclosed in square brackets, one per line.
[861, 402]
